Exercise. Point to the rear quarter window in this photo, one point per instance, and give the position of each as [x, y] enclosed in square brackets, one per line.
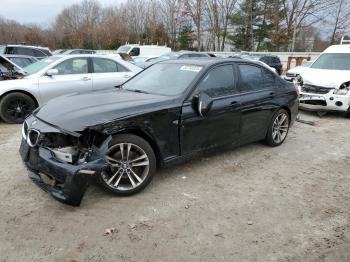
[46, 52]
[24, 51]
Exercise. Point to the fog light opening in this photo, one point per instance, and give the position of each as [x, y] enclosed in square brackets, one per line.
[338, 103]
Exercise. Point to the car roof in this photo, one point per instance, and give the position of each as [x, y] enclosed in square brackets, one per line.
[85, 55]
[78, 49]
[205, 61]
[338, 49]
[29, 46]
[19, 56]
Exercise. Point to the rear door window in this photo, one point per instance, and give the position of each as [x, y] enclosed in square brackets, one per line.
[46, 52]
[102, 65]
[23, 51]
[255, 78]
[38, 53]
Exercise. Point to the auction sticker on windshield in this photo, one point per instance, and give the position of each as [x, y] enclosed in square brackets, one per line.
[191, 68]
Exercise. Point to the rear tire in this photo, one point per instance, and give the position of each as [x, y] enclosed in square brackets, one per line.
[15, 107]
[278, 129]
[132, 164]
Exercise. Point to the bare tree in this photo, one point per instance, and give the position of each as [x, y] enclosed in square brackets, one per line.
[298, 13]
[340, 13]
[195, 9]
[171, 16]
[227, 9]
[213, 15]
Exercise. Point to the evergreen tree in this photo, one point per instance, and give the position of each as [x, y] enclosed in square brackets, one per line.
[185, 38]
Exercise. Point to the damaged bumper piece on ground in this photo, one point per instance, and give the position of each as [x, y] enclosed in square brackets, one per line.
[317, 98]
[63, 172]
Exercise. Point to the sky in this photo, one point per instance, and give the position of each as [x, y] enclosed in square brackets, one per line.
[41, 12]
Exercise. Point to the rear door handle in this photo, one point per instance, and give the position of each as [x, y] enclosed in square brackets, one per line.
[233, 103]
[85, 78]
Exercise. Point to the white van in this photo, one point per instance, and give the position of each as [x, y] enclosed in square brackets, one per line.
[326, 83]
[144, 50]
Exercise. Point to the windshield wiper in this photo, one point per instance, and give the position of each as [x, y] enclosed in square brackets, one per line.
[137, 91]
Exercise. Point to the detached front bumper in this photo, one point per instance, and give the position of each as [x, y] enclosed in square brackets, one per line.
[65, 182]
[324, 102]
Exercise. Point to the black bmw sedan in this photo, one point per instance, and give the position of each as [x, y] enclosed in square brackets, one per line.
[170, 112]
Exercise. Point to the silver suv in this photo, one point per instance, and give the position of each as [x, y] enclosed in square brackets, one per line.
[34, 51]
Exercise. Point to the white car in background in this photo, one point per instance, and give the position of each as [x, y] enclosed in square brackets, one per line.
[135, 50]
[293, 73]
[59, 75]
[325, 85]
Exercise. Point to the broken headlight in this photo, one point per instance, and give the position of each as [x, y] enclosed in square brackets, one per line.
[343, 89]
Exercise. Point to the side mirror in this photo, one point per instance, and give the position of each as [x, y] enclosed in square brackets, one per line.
[204, 104]
[52, 72]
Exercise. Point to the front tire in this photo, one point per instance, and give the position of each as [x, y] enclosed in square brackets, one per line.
[278, 128]
[131, 165]
[15, 107]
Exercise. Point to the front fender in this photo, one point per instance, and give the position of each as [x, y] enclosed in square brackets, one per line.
[31, 88]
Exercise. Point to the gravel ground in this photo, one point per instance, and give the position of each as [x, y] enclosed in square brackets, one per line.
[253, 203]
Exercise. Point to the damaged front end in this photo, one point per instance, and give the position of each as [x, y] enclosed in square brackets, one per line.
[317, 98]
[61, 162]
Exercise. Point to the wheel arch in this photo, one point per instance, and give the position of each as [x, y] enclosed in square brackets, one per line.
[148, 138]
[288, 111]
[23, 92]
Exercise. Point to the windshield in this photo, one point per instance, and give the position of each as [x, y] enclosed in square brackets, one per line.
[306, 64]
[38, 66]
[123, 49]
[332, 62]
[164, 79]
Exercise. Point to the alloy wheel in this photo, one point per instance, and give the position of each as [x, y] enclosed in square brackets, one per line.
[280, 128]
[129, 166]
[18, 109]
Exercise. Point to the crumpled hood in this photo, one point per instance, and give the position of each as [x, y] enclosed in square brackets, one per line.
[325, 78]
[75, 112]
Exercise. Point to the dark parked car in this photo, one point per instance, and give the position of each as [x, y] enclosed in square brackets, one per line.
[270, 60]
[174, 56]
[34, 51]
[170, 112]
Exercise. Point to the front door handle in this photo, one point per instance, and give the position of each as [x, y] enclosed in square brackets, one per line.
[85, 78]
[126, 76]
